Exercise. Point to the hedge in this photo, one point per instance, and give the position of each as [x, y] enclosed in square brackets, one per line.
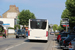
[10, 28]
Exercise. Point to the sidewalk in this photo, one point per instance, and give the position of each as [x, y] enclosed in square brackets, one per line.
[56, 45]
[11, 36]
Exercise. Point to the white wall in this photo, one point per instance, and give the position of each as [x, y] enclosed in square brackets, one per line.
[8, 21]
[11, 15]
[11, 31]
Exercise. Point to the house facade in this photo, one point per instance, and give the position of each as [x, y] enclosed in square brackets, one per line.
[12, 12]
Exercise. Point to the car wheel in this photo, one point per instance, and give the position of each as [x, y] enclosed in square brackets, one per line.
[57, 40]
[30, 40]
[17, 37]
[46, 41]
[24, 36]
[5, 36]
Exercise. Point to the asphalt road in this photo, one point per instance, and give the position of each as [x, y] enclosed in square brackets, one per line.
[25, 44]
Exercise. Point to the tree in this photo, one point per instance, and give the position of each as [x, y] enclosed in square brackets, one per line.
[60, 28]
[55, 26]
[24, 17]
[70, 5]
[65, 14]
[69, 12]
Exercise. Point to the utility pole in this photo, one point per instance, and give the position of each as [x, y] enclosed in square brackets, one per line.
[66, 28]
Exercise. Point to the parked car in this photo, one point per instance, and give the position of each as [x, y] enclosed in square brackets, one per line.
[63, 37]
[52, 33]
[68, 39]
[21, 33]
[58, 37]
[72, 44]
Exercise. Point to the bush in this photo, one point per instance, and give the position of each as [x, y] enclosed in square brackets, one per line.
[10, 28]
[15, 27]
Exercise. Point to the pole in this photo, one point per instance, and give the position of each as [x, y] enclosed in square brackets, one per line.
[66, 28]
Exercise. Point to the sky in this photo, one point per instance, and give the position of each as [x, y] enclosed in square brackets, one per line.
[43, 9]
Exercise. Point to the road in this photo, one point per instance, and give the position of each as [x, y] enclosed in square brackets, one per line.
[25, 44]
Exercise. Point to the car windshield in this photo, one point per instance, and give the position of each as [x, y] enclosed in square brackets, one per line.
[70, 36]
[64, 35]
[21, 30]
[38, 24]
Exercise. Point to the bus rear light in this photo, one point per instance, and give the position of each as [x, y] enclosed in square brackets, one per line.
[28, 33]
[46, 33]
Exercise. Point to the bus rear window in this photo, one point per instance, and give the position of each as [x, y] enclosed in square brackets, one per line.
[38, 24]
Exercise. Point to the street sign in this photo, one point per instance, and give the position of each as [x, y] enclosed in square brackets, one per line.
[65, 23]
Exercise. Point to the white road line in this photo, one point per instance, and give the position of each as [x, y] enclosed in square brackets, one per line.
[15, 46]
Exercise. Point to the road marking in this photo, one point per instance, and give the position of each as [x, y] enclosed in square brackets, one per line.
[15, 46]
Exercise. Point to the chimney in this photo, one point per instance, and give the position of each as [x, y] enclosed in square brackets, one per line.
[12, 6]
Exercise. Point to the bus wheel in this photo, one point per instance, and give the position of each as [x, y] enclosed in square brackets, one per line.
[46, 41]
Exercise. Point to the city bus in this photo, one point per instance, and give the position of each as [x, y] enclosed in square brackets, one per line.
[38, 29]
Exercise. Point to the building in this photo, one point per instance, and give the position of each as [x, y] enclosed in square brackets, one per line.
[12, 12]
[10, 16]
[8, 22]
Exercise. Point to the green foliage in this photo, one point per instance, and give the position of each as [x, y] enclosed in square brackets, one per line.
[15, 27]
[69, 12]
[10, 28]
[65, 14]
[55, 26]
[24, 17]
[70, 5]
[60, 28]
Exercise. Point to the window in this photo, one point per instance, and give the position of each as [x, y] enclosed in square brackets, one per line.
[38, 24]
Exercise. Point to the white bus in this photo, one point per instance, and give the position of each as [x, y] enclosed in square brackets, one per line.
[38, 29]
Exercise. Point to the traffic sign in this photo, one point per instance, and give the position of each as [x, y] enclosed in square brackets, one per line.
[65, 21]
[65, 25]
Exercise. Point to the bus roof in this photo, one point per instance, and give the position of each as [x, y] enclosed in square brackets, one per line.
[38, 19]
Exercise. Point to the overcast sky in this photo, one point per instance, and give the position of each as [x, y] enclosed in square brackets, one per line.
[43, 9]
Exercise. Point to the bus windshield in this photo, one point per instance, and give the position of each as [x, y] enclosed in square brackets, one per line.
[38, 24]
